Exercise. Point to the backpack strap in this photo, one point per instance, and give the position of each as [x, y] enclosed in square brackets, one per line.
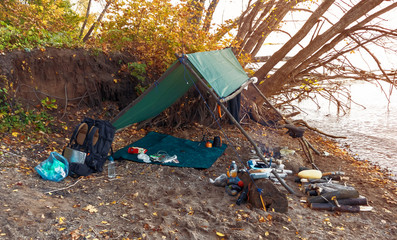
[91, 139]
[79, 132]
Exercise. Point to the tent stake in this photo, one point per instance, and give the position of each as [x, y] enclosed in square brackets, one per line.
[258, 152]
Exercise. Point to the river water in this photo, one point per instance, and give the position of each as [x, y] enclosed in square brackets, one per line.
[371, 131]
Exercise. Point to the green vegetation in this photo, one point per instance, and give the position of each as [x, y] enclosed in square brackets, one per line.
[14, 117]
[151, 30]
[35, 24]
[138, 71]
[14, 38]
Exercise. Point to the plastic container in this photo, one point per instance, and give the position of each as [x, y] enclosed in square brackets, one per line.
[73, 155]
[144, 157]
[163, 157]
[232, 170]
[168, 159]
[264, 174]
[136, 150]
[111, 168]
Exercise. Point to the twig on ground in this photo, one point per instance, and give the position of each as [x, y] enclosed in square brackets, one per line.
[66, 101]
[60, 189]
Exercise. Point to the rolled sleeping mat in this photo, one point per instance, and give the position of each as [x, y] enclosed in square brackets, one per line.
[340, 208]
[340, 194]
[310, 174]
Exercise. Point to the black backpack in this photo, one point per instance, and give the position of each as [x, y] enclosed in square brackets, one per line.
[93, 137]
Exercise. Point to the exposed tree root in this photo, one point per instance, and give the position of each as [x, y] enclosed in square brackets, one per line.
[301, 122]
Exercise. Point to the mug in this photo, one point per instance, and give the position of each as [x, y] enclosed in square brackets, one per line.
[217, 142]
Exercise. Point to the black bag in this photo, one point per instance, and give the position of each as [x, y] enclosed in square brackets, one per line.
[93, 137]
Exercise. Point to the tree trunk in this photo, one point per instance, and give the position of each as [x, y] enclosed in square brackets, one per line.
[283, 75]
[339, 38]
[280, 54]
[209, 15]
[86, 19]
[267, 26]
[87, 35]
[196, 12]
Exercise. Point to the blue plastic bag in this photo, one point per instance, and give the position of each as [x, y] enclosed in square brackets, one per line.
[55, 168]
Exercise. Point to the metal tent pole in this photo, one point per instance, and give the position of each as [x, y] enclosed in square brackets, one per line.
[288, 122]
[258, 152]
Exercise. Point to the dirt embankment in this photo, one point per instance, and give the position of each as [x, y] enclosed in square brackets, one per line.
[71, 76]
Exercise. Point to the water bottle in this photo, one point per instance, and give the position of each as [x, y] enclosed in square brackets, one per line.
[111, 168]
[232, 170]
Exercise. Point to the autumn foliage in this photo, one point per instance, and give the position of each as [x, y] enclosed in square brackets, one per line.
[31, 24]
[154, 31]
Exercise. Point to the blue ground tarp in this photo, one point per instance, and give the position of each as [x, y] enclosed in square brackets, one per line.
[190, 153]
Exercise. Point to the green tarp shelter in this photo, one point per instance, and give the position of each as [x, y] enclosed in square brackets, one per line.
[220, 69]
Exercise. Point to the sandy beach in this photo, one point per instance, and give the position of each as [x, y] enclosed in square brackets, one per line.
[147, 201]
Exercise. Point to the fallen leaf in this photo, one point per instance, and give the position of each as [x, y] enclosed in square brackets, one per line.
[61, 220]
[90, 209]
[386, 210]
[220, 234]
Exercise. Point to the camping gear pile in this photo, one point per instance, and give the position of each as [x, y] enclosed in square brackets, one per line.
[258, 169]
[222, 76]
[328, 191]
[254, 185]
[218, 72]
[86, 153]
[92, 138]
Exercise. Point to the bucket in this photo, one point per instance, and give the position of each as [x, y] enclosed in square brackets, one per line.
[74, 156]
